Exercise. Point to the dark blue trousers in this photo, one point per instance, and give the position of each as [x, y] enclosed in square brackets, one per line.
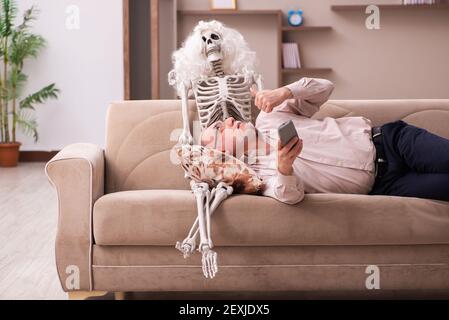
[417, 163]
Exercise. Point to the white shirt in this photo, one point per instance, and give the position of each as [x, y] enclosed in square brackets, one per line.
[338, 154]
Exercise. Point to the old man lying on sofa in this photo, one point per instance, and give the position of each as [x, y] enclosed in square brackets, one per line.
[345, 155]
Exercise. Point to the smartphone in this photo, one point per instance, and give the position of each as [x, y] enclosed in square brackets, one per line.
[287, 131]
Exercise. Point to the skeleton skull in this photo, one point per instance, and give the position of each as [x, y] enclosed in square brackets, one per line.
[212, 45]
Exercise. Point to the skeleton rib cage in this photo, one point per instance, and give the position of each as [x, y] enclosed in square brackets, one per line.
[219, 98]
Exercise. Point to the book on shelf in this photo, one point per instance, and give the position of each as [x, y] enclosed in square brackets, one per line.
[290, 56]
[406, 2]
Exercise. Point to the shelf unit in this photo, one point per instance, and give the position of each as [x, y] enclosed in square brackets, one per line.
[305, 70]
[305, 28]
[226, 12]
[351, 7]
[282, 30]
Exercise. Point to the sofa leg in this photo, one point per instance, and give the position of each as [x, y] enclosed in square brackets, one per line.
[83, 295]
[119, 295]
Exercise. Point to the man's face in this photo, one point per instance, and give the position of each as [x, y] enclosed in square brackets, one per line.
[230, 136]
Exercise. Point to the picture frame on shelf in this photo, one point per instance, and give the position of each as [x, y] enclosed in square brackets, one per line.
[223, 4]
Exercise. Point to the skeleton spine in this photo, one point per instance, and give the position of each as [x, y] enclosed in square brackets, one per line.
[218, 68]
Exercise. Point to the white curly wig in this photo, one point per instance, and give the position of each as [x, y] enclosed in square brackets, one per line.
[190, 63]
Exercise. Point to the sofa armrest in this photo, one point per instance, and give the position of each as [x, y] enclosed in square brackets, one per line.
[77, 173]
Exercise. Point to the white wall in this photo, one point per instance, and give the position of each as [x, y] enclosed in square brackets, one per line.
[86, 64]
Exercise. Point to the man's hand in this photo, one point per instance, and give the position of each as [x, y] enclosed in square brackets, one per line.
[267, 100]
[287, 155]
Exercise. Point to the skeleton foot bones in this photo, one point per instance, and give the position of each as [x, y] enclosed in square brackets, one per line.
[207, 203]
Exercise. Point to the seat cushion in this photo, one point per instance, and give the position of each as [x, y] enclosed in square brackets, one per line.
[162, 217]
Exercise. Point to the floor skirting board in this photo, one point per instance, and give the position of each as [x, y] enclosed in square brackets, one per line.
[36, 156]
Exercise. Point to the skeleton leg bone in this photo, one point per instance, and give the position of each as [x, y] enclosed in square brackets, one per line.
[209, 257]
[187, 247]
[218, 195]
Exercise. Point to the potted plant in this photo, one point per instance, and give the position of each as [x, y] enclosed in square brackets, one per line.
[17, 44]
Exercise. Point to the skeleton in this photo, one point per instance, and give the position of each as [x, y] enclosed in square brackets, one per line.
[218, 97]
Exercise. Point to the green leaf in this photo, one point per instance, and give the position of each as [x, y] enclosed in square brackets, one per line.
[23, 46]
[8, 14]
[27, 123]
[48, 92]
[28, 16]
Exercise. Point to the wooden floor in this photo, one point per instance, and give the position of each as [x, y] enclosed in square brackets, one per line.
[28, 217]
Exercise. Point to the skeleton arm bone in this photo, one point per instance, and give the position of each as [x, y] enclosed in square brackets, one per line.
[258, 80]
[183, 91]
[186, 135]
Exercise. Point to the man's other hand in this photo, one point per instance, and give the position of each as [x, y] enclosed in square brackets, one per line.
[288, 154]
[267, 100]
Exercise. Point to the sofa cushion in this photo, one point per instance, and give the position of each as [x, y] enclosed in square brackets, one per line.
[162, 217]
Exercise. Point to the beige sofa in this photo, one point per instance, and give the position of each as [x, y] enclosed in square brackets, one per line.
[122, 209]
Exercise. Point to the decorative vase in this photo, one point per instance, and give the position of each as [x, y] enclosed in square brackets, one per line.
[9, 154]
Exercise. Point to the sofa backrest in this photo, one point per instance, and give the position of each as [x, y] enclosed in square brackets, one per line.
[141, 134]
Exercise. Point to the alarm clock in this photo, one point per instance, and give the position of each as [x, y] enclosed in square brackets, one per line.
[295, 18]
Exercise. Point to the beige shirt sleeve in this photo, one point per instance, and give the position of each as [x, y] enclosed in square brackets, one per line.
[287, 189]
[309, 94]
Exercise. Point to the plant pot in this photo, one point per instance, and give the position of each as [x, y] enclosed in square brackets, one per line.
[9, 154]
